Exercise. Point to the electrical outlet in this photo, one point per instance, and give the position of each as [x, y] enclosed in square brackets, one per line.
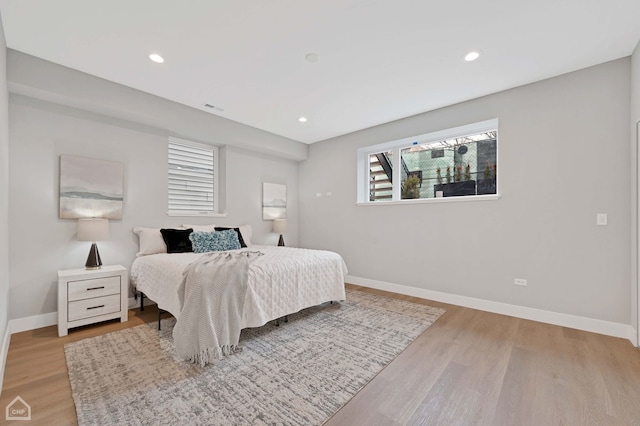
[601, 219]
[520, 281]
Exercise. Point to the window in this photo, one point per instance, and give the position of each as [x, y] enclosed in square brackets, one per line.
[380, 174]
[193, 180]
[458, 162]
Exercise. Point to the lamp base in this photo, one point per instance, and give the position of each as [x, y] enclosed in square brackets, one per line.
[93, 260]
[281, 241]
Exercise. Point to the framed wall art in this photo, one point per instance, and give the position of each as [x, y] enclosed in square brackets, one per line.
[274, 201]
[90, 188]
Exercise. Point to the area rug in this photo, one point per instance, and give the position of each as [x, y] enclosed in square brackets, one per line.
[300, 373]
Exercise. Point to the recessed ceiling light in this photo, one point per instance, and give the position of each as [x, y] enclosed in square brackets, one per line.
[156, 58]
[472, 56]
[302, 119]
[311, 57]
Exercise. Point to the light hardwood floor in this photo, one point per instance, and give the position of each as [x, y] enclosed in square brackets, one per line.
[470, 367]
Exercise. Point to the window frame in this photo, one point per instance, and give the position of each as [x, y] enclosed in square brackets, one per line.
[190, 213]
[396, 147]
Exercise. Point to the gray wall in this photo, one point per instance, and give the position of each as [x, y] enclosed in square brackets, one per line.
[635, 119]
[40, 79]
[564, 157]
[4, 189]
[41, 244]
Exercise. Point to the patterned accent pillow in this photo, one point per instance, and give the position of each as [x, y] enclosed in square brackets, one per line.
[222, 228]
[203, 242]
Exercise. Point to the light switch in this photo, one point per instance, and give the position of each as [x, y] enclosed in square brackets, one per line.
[601, 219]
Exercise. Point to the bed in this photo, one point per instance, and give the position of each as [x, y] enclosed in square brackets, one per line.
[282, 281]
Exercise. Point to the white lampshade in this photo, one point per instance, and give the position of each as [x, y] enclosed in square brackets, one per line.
[280, 226]
[93, 229]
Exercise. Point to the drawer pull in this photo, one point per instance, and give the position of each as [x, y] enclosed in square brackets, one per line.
[95, 288]
[95, 307]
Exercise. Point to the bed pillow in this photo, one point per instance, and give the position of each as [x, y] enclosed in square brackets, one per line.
[177, 240]
[151, 241]
[244, 234]
[203, 242]
[236, 230]
[247, 232]
[200, 228]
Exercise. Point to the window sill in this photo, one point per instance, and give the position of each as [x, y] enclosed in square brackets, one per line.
[193, 214]
[432, 200]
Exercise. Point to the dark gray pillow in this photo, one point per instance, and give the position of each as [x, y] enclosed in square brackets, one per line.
[177, 240]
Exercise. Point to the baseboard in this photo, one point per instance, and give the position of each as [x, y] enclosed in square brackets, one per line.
[45, 320]
[4, 350]
[633, 336]
[608, 328]
[133, 303]
[19, 325]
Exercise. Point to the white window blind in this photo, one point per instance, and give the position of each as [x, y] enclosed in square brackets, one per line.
[192, 178]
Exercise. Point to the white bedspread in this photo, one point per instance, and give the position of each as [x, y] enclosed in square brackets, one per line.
[283, 281]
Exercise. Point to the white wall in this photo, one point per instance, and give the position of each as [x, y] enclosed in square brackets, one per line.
[635, 85]
[635, 119]
[40, 79]
[4, 197]
[563, 157]
[41, 243]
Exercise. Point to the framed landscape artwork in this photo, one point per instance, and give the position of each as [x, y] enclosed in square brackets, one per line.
[90, 188]
[274, 201]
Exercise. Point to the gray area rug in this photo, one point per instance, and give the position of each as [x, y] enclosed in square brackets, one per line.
[300, 373]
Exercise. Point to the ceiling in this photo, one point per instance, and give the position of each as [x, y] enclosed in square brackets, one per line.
[377, 60]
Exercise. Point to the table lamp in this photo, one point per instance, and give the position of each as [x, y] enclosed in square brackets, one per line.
[93, 229]
[280, 227]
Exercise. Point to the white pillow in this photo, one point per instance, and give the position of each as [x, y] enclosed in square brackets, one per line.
[151, 241]
[247, 233]
[200, 228]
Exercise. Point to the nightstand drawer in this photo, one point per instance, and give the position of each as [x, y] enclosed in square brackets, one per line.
[94, 307]
[95, 287]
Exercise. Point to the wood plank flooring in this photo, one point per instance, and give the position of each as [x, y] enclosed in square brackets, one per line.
[469, 368]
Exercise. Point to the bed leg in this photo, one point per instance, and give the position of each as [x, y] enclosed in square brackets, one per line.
[159, 313]
[286, 318]
[277, 322]
[141, 301]
[331, 302]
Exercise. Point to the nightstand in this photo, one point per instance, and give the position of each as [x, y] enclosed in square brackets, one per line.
[87, 296]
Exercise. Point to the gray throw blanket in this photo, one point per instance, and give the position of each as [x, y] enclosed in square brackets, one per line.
[215, 287]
